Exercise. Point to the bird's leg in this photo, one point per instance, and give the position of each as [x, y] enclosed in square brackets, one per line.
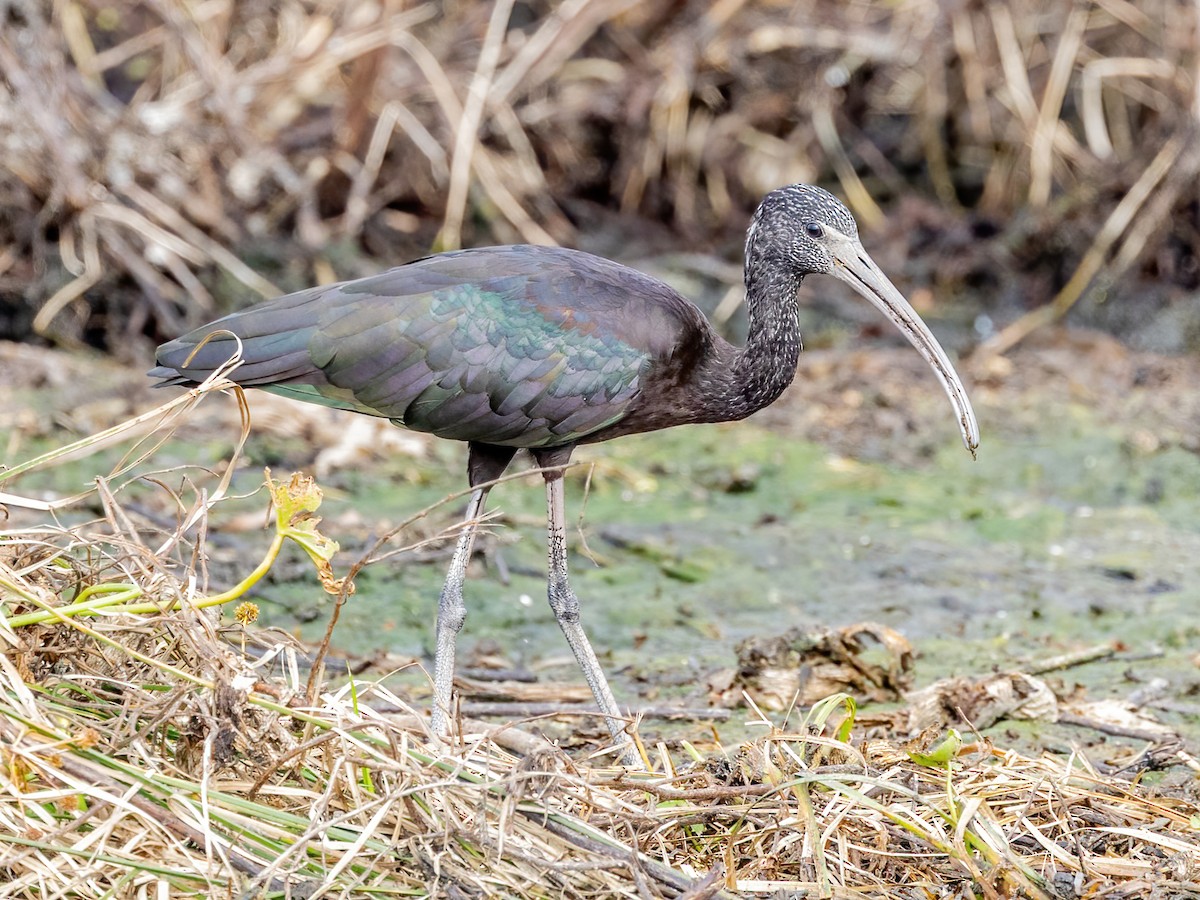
[451, 613]
[565, 605]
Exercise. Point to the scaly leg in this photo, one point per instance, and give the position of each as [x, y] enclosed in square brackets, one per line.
[451, 613]
[565, 605]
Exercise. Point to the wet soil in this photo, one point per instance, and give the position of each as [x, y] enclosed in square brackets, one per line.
[849, 500]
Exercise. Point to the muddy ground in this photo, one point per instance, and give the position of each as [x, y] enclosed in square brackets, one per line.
[851, 500]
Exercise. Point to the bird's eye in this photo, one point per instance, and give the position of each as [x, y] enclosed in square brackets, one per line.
[814, 230]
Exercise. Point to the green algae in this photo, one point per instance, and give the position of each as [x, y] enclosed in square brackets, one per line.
[1065, 533]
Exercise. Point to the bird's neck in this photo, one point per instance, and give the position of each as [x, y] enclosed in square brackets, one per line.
[767, 364]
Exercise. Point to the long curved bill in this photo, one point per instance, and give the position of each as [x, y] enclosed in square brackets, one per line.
[854, 266]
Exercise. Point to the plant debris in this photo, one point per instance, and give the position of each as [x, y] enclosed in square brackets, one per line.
[162, 160]
[804, 665]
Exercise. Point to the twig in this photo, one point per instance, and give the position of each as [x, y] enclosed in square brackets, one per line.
[512, 709]
[1141, 734]
[661, 873]
[1072, 659]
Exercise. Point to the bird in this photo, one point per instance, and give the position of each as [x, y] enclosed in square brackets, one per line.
[542, 349]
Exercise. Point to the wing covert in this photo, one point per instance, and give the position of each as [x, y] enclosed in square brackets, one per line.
[523, 346]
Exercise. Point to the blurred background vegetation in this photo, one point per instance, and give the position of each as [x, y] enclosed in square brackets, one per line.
[162, 161]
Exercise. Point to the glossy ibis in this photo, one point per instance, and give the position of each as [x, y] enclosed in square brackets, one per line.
[542, 349]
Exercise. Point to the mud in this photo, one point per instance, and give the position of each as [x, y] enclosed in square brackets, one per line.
[850, 500]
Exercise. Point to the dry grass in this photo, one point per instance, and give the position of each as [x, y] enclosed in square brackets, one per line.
[187, 149]
[148, 752]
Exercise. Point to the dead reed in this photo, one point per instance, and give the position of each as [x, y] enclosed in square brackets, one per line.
[199, 152]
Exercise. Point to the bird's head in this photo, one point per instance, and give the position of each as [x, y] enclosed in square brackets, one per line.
[805, 230]
[802, 227]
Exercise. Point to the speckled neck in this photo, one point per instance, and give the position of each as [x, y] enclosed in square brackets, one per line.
[754, 376]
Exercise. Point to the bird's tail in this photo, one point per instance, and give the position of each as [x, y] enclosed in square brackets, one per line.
[273, 340]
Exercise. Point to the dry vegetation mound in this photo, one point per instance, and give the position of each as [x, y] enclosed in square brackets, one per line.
[162, 159]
